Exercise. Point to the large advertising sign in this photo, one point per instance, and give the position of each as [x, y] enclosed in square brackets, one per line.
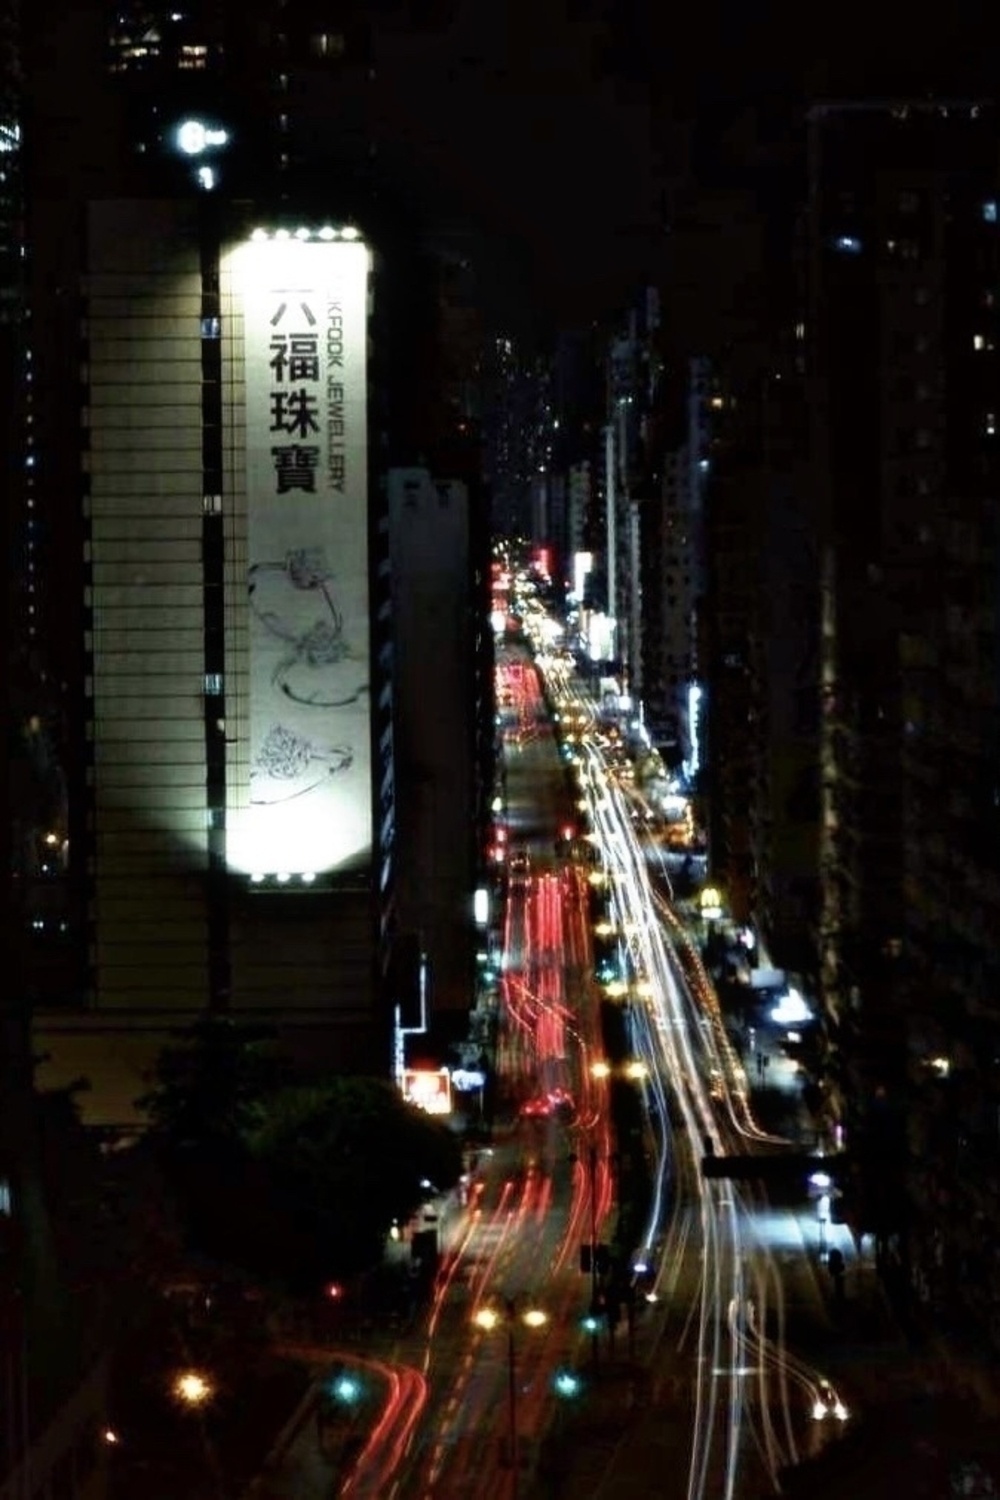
[304, 306]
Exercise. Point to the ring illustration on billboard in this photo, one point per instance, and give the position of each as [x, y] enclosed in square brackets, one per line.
[321, 668]
[289, 765]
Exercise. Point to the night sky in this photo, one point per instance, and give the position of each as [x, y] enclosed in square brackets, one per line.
[561, 127]
[514, 118]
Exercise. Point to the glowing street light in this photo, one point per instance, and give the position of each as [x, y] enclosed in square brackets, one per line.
[488, 1318]
[567, 1384]
[600, 1070]
[346, 1389]
[193, 1389]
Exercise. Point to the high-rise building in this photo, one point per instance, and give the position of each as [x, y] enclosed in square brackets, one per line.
[673, 561]
[213, 541]
[211, 589]
[902, 265]
[510, 433]
[52, 1375]
[435, 614]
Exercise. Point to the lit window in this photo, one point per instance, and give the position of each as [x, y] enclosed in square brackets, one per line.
[213, 684]
[847, 244]
[978, 342]
[990, 211]
[212, 504]
[193, 56]
[211, 328]
[991, 424]
[327, 44]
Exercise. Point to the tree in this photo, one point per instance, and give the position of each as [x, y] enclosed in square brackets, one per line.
[345, 1160]
[209, 1091]
[294, 1184]
[210, 1088]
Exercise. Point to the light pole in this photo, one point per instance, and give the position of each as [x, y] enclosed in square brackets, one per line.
[592, 1169]
[487, 1318]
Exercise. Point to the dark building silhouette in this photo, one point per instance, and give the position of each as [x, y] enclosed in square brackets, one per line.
[901, 262]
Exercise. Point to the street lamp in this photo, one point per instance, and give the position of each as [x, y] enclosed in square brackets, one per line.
[488, 1318]
[192, 1388]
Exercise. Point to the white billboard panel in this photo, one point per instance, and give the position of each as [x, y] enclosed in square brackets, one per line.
[304, 307]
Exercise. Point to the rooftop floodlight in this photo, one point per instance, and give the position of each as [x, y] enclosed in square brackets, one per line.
[282, 234]
[350, 233]
[258, 236]
[327, 233]
[194, 137]
[302, 233]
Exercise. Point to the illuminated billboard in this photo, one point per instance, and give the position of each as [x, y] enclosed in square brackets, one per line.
[306, 809]
[428, 1090]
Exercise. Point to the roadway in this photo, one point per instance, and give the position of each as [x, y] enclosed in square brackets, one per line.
[518, 1258]
[711, 1399]
[434, 1410]
[736, 1404]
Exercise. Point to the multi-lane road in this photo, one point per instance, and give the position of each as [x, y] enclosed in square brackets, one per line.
[480, 1395]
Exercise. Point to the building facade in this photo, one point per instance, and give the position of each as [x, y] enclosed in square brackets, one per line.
[902, 267]
[435, 616]
[239, 788]
[213, 575]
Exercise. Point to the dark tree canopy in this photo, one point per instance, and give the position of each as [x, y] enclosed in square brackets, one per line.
[349, 1157]
[208, 1089]
[293, 1183]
